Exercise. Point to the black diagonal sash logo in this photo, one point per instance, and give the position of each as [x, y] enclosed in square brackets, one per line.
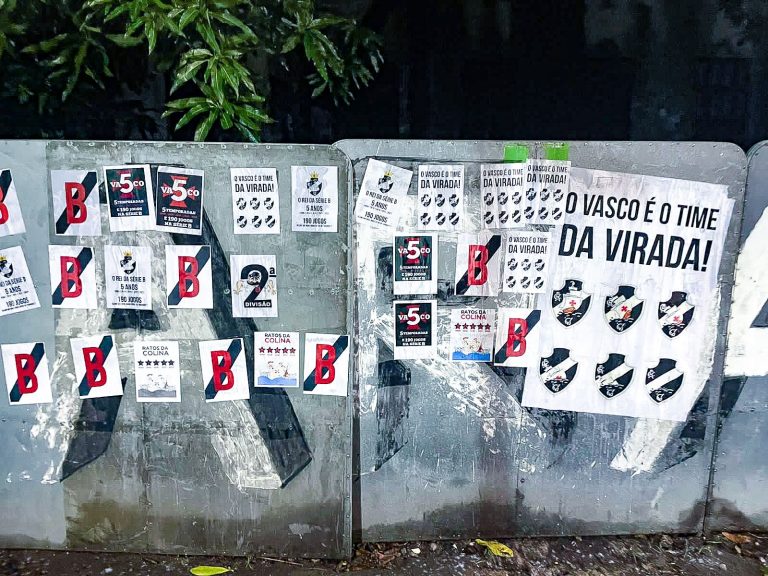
[493, 246]
[341, 344]
[38, 351]
[532, 319]
[89, 183]
[83, 259]
[5, 184]
[106, 347]
[202, 257]
[235, 347]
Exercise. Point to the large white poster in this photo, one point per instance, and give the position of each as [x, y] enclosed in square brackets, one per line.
[76, 210]
[628, 322]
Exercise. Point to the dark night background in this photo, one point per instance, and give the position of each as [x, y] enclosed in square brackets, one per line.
[506, 69]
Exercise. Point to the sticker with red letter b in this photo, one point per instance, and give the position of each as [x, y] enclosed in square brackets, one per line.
[26, 373]
[11, 221]
[97, 368]
[73, 277]
[326, 364]
[189, 283]
[76, 210]
[225, 372]
[517, 337]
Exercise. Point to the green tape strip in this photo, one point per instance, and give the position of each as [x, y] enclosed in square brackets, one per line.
[515, 153]
[556, 151]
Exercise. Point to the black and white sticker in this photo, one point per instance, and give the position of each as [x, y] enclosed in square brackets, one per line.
[517, 337]
[157, 371]
[622, 309]
[97, 368]
[179, 197]
[441, 197]
[502, 202]
[225, 371]
[254, 286]
[546, 188]
[613, 375]
[414, 263]
[526, 262]
[326, 364]
[73, 277]
[315, 198]
[557, 370]
[382, 194]
[17, 290]
[415, 329]
[11, 221]
[663, 380]
[570, 303]
[472, 334]
[130, 197]
[478, 258]
[276, 359]
[189, 283]
[676, 314]
[255, 201]
[128, 275]
[76, 209]
[26, 373]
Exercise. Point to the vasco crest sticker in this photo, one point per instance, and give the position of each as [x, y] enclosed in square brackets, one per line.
[663, 380]
[570, 303]
[613, 375]
[623, 309]
[675, 314]
[558, 370]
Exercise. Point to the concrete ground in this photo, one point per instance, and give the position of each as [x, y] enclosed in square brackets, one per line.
[721, 554]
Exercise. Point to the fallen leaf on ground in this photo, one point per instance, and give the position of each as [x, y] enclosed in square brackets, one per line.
[209, 570]
[497, 548]
[736, 538]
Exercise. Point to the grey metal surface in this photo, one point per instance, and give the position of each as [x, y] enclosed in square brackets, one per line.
[448, 451]
[181, 478]
[739, 491]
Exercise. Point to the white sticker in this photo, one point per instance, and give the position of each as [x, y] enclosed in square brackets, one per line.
[225, 371]
[188, 278]
[546, 187]
[76, 209]
[326, 364]
[157, 371]
[472, 334]
[526, 261]
[97, 368]
[315, 198]
[415, 329]
[255, 200]
[441, 197]
[11, 221]
[478, 258]
[17, 290]
[128, 274]
[501, 196]
[73, 277]
[26, 373]
[382, 194]
[517, 337]
[130, 198]
[253, 286]
[414, 260]
[179, 200]
[276, 359]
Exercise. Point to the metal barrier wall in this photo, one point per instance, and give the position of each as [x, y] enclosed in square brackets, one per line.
[739, 491]
[269, 475]
[446, 450]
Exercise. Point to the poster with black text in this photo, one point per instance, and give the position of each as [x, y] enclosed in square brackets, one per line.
[254, 286]
[382, 194]
[415, 329]
[157, 372]
[414, 260]
[17, 290]
[179, 198]
[11, 220]
[526, 261]
[503, 204]
[478, 263]
[546, 186]
[130, 197]
[255, 200]
[441, 197]
[629, 316]
[276, 359]
[128, 277]
[472, 332]
[315, 198]
[76, 209]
